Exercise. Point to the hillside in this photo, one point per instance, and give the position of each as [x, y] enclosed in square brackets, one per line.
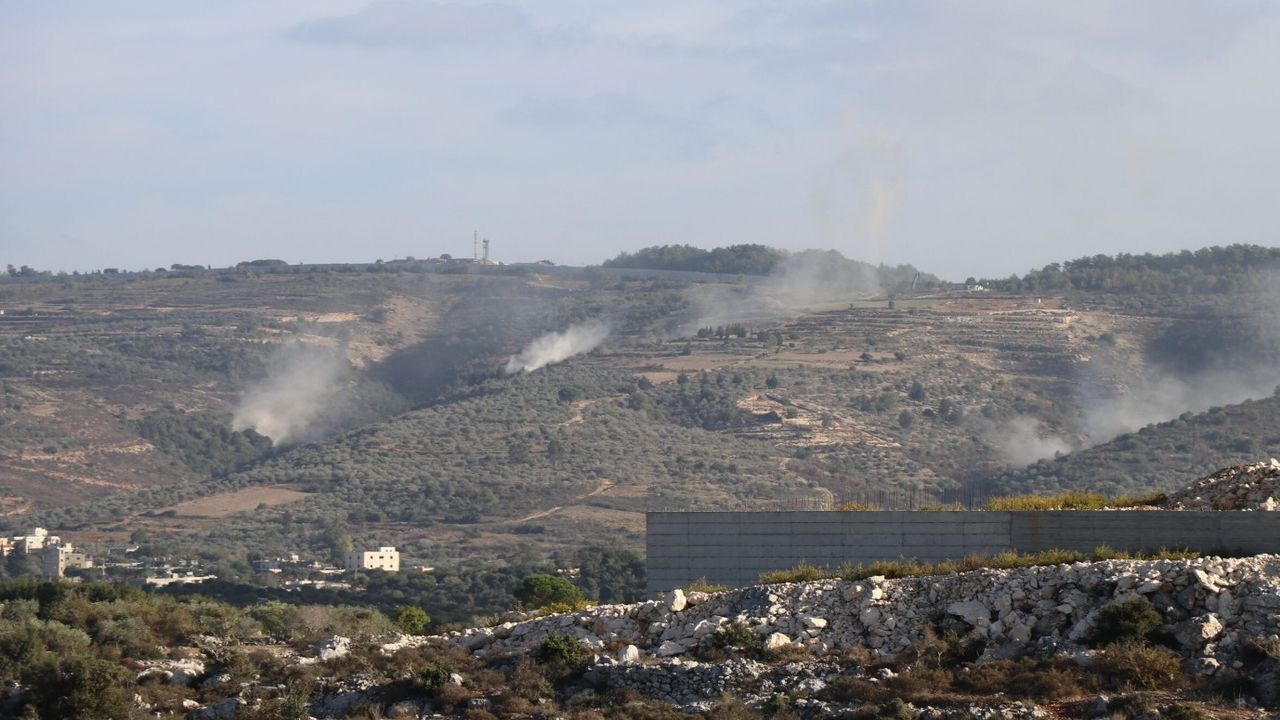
[133, 404]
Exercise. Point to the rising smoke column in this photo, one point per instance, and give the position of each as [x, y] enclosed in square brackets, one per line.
[556, 346]
[300, 387]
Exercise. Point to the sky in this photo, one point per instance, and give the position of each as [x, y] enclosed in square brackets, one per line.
[975, 137]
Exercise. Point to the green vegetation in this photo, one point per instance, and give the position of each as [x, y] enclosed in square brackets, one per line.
[412, 620]
[538, 591]
[732, 260]
[1128, 621]
[204, 443]
[1004, 561]
[1208, 270]
[1073, 501]
[763, 260]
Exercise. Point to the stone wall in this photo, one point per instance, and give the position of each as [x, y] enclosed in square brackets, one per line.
[733, 548]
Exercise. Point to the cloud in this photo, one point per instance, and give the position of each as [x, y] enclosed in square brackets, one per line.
[398, 23]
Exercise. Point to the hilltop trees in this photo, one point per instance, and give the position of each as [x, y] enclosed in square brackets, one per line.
[1208, 270]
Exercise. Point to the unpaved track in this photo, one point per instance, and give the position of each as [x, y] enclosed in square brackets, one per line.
[604, 485]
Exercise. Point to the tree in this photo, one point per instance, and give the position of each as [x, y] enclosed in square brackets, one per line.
[916, 392]
[412, 620]
[905, 418]
[611, 574]
[517, 452]
[20, 564]
[540, 590]
[338, 540]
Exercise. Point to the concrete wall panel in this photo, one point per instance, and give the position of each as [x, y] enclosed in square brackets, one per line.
[733, 548]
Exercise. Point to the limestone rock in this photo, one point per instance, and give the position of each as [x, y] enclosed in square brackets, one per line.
[972, 612]
[669, 648]
[776, 641]
[333, 648]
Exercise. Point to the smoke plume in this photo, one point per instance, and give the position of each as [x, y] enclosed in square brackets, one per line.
[800, 281]
[300, 386]
[1163, 397]
[557, 346]
[1024, 440]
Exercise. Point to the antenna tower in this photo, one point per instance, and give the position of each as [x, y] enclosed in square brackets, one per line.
[475, 245]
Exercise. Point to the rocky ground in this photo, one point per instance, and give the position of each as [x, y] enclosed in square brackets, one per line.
[1241, 487]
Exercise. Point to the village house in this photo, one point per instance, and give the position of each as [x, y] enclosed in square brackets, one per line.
[384, 558]
[58, 559]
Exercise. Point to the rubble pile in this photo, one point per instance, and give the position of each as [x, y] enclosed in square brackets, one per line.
[1211, 605]
[1241, 487]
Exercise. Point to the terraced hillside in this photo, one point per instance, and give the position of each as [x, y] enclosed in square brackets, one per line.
[897, 402]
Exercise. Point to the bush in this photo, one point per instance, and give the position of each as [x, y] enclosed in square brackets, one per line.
[735, 634]
[896, 709]
[412, 620]
[1185, 711]
[1137, 665]
[562, 650]
[1127, 621]
[540, 590]
[1132, 706]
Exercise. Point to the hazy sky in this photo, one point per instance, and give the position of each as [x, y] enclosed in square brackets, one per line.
[974, 137]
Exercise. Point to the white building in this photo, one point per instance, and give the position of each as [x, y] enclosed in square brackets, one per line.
[384, 558]
[39, 539]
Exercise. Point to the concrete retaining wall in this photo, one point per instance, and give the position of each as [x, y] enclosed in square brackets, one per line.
[733, 548]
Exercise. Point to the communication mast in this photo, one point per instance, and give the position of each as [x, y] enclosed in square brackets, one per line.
[475, 245]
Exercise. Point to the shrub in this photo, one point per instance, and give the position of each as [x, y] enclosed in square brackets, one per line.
[735, 634]
[1184, 711]
[1141, 666]
[540, 590]
[853, 507]
[777, 704]
[1127, 621]
[790, 653]
[1259, 649]
[562, 650]
[412, 620]
[1132, 706]
[853, 689]
[896, 709]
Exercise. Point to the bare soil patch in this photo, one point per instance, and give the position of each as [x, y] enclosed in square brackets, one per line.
[238, 501]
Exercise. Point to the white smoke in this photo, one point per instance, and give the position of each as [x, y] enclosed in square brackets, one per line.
[557, 346]
[799, 282]
[1025, 439]
[300, 387]
[1162, 397]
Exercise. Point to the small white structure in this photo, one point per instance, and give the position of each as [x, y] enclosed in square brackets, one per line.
[384, 558]
[39, 539]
